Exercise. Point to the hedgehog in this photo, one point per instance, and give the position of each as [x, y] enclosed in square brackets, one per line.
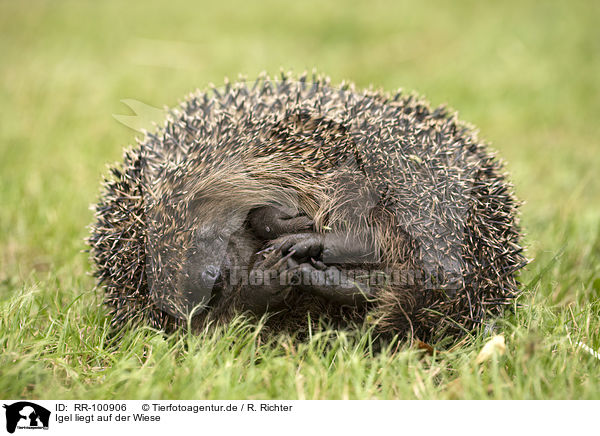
[292, 197]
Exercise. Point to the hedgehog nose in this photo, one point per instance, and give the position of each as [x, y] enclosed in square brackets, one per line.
[210, 274]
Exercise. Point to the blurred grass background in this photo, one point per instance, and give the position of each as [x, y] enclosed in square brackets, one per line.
[525, 72]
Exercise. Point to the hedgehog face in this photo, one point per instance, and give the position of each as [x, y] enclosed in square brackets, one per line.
[218, 247]
[204, 268]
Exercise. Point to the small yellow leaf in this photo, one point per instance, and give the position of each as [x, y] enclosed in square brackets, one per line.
[495, 346]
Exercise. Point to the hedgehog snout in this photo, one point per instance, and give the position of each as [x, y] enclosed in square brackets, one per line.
[211, 274]
[202, 280]
[207, 280]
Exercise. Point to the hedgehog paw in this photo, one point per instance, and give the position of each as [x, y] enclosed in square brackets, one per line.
[270, 222]
[326, 249]
[329, 283]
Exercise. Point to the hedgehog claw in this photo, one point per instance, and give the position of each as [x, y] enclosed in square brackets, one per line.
[283, 260]
[265, 251]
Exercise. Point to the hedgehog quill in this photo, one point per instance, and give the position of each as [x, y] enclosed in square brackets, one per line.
[291, 197]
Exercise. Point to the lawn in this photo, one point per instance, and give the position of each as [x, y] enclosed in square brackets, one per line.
[525, 72]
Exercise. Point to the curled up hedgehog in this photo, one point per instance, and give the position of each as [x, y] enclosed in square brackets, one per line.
[292, 197]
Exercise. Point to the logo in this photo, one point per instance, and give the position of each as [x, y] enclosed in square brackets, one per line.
[26, 415]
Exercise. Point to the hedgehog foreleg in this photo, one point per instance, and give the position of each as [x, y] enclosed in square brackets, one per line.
[267, 283]
[329, 248]
[320, 263]
[332, 283]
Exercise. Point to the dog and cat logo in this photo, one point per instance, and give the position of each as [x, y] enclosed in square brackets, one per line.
[26, 415]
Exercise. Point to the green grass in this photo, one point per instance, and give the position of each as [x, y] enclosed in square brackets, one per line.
[526, 73]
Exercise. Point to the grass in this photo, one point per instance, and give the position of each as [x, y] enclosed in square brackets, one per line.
[526, 73]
